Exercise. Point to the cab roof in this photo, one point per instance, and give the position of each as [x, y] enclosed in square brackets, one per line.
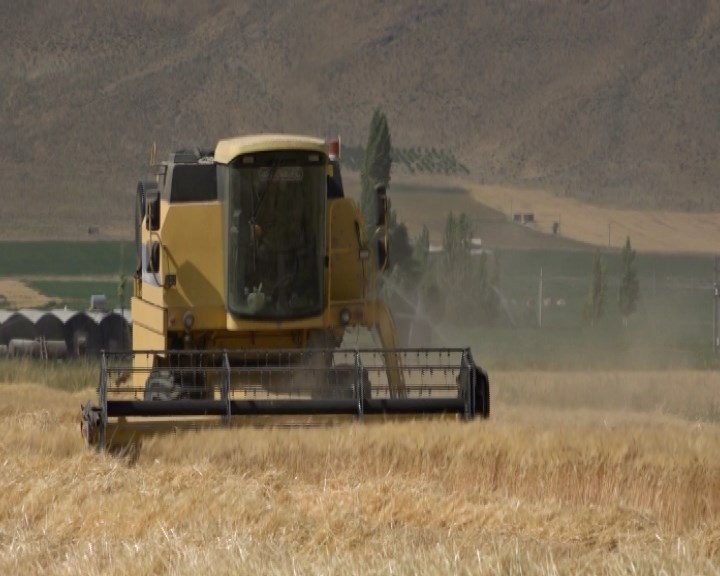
[227, 150]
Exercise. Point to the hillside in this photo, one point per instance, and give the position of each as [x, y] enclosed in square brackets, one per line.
[615, 103]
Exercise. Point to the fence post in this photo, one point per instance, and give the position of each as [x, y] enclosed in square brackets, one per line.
[103, 400]
[540, 299]
[225, 390]
[359, 385]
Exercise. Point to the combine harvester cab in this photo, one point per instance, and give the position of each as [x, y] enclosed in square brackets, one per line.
[251, 266]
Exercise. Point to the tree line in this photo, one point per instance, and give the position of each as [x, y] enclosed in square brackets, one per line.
[411, 160]
[628, 293]
[461, 284]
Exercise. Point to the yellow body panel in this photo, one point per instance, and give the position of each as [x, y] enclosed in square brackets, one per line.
[227, 150]
[348, 273]
[192, 250]
[149, 333]
[191, 275]
[148, 316]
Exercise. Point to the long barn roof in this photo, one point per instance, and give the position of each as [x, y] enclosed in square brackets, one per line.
[64, 315]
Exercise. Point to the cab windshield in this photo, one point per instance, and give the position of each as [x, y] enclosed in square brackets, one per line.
[276, 226]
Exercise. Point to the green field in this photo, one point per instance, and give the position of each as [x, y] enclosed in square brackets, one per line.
[672, 327]
[674, 289]
[76, 294]
[48, 258]
[68, 273]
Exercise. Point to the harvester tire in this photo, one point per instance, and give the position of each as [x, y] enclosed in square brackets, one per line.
[481, 391]
[192, 385]
[167, 385]
[161, 386]
[482, 394]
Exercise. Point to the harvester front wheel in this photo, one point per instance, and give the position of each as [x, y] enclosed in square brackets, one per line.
[474, 380]
[168, 385]
[482, 392]
[160, 385]
[192, 385]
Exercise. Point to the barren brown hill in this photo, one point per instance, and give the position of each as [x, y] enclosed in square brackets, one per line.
[616, 103]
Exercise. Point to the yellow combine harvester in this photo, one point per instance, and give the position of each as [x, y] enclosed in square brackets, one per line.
[251, 267]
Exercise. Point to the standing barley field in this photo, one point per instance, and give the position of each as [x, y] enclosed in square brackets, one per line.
[575, 473]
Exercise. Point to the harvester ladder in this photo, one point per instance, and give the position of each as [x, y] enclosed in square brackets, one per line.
[43, 348]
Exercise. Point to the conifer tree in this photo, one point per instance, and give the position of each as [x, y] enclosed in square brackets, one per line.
[629, 292]
[595, 305]
[376, 166]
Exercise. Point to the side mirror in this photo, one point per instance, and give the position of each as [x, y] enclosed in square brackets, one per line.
[153, 256]
[381, 205]
[382, 255]
[143, 188]
[152, 214]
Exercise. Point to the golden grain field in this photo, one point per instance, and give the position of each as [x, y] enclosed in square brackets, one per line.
[561, 480]
[650, 230]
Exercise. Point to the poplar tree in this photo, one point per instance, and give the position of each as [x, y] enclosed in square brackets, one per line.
[469, 283]
[629, 292]
[376, 166]
[422, 247]
[595, 304]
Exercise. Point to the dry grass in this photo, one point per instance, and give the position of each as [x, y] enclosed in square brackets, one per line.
[691, 395]
[17, 294]
[491, 208]
[536, 490]
[650, 230]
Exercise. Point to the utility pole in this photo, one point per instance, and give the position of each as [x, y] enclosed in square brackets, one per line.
[540, 299]
[716, 307]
